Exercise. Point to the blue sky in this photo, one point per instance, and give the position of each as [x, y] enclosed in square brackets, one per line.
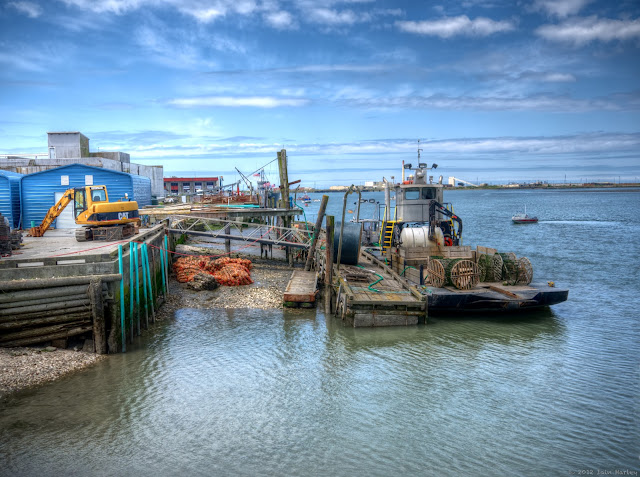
[494, 90]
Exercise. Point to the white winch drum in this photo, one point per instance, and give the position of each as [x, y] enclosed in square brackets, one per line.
[415, 237]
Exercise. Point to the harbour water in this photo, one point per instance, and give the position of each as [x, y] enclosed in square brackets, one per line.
[293, 392]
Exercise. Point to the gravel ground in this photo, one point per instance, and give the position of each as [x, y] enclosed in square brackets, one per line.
[22, 368]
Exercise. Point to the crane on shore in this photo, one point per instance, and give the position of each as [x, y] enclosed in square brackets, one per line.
[453, 180]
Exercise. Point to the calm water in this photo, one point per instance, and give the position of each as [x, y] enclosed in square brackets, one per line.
[281, 392]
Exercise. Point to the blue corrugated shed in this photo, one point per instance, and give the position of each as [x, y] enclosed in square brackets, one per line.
[38, 190]
[10, 197]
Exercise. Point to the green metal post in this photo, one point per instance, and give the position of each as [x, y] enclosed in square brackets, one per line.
[131, 291]
[164, 289]
[135, 258]
[166, 260]
[144, 284]
[124, 344]
[147, 264]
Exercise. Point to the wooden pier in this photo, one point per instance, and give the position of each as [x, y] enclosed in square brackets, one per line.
[301, 290]
[371, 294]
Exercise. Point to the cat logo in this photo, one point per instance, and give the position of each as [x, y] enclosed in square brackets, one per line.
[123, 215]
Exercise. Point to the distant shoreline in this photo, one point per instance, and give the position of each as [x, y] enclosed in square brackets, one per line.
[627, 187]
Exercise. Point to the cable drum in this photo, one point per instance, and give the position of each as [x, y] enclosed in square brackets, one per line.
[351, 239]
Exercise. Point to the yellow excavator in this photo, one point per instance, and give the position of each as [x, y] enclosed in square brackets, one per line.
[100, 219]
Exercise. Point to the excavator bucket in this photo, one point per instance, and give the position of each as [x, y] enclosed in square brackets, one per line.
[35, 232]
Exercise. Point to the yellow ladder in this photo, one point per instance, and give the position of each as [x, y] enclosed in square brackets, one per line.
[386, 233]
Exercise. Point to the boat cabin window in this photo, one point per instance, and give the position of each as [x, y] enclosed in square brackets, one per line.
[412, 193]
[428, 193]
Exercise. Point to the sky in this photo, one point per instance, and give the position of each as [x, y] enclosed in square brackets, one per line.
[494, 90]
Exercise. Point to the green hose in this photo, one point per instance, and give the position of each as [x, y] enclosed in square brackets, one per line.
[405, 269]
[370, 287]
[305, 220]
[377, 281]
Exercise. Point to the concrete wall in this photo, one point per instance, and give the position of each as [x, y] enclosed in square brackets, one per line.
[114, 156]
[155, 173]
[68, 144]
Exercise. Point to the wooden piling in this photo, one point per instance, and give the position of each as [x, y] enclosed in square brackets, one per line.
[227, 242]
[328, 269]
[316, 232]
[97, 310]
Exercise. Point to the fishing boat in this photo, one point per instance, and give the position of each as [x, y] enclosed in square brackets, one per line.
[421, 241]
[524, 218]
[305, 199]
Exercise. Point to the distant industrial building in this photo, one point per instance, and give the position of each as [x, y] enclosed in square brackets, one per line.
[191, 185]
[66, 148]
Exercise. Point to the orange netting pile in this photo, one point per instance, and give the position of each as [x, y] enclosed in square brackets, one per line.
[227, 271]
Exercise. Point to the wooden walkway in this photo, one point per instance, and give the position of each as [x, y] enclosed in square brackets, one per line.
[301, 289]
[372, 295]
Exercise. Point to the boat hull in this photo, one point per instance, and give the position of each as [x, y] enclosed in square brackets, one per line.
[482, 299]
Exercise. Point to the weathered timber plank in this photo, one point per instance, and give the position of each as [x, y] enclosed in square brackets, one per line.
[301, 287]
[52, 336]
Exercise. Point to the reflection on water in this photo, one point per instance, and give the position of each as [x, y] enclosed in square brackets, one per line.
[294, 392]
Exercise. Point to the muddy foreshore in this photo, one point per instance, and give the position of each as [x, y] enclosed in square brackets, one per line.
[22, 368]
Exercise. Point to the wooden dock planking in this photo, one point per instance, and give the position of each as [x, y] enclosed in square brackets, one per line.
[301, 288]
[364, 303]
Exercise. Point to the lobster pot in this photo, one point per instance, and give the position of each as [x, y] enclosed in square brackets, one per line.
[490, 267]
[516, 271]
[485, 267]
[435, 273]
[351, 239]
[461, 273]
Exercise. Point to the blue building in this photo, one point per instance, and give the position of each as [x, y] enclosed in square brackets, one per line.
[41, 190]
[10, 197]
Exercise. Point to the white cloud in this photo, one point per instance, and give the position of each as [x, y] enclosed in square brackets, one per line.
[585, 30]
[454, 26]
[561, 8]
[559, 78]
[234, 102]
[410, 99]
[330, 17]
[170, 48]
[204, 15]
[118, 7]
[281, 20]
[30, 9]
[203, 11]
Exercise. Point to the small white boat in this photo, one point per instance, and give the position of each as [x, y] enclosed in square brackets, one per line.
[524, 218]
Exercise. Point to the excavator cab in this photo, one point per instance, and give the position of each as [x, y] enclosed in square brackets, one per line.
[85, 197]
[79, 202]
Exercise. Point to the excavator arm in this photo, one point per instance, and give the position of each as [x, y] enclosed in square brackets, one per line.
[52, 214]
